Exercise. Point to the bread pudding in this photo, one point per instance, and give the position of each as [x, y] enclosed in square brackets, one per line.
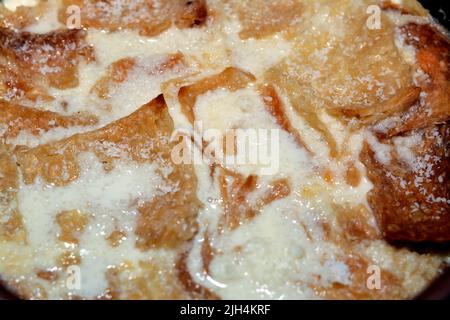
[223, 149]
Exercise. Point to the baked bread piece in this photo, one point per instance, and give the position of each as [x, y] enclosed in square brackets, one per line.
[164, 221]
[30, 63]
[411, 190]
[148, 17]
[349, 122]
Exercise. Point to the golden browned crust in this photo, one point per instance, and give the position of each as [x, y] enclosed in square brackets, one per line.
[412, 202]
[29, 63]
[369, 115]
[148, 17]
[17, 119]
[54, 54]
[409, 205]
[433, 104]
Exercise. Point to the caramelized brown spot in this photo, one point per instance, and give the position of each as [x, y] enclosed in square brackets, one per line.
[231, 79]
[57, 168]
[69, 258]
[12, 228]
[169, 63]
[17, 85]
[352, 175]
[116, 238]
[116, 73]
[328, 175]
[195, 290]
[48, 275]
[278, 189]
[8, 174]
[72, 224]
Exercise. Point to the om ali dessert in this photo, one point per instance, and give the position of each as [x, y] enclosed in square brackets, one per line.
[100, 99]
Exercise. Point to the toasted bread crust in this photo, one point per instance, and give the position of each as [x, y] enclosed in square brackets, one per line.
[433, 58]
[30, 63]
[409, 203]
[413, 203]
[148, 17]
[18, 119]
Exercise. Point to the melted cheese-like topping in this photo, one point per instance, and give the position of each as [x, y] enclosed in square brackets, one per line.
[284, 252]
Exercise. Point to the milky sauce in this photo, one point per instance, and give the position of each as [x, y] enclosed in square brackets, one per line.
[12, 5]
[110, 201]
[270, 257]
